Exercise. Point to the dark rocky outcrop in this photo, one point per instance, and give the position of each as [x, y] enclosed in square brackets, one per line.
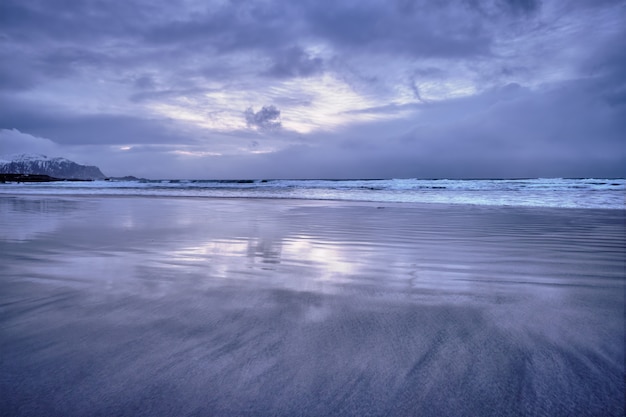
[32, 178]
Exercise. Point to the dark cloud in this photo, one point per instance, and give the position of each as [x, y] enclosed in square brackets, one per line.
[66, 128]
[63, 61]
[512, 8]
[268, 118]
[525, 6]
[506, 132]
[15, 78]
[145, 82]
[150, 93]
[294, 62]
[72, 21]
[379, 27]
[226, 28]
[128, 36]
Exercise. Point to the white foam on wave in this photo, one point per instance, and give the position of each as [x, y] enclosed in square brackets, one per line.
[550, 192]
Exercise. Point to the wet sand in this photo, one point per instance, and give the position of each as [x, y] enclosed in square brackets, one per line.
[216, 307]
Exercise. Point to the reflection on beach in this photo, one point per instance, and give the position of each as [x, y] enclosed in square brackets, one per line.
[309, 247]
[30, 217]
[295, 262]
[261, 307]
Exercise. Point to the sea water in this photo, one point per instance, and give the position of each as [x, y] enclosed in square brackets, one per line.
[540, 192]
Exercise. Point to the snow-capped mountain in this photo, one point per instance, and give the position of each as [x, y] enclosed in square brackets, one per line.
[54, 167]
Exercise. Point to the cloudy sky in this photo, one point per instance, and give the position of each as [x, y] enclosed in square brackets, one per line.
[317, 89]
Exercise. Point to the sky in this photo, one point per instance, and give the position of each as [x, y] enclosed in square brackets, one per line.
[222, 89]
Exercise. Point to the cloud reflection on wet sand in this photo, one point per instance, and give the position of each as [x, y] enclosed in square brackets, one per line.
[165, 306]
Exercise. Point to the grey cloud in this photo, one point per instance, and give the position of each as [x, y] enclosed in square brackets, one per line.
[526, 6]
[63, 61]
[429, 72]
[152, 51]
[569, 131]
[378, 27]
[145, 82]
[98, 129]
[514, 8]
[15, 78]
[71, 20]
[148, 33]
[617, 97]
[511, 131]
[110, 129]
[15, 142]
[149, 93]
[562, 132]
[244, 25]
[223, 29]
[386, 109]
[268, 118]
[294, 62]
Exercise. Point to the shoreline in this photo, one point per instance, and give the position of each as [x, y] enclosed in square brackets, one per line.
[414, 204]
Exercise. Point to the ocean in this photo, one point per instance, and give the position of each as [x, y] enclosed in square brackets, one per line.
[540, 192]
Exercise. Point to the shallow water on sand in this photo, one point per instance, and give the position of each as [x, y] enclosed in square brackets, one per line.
[178, 306]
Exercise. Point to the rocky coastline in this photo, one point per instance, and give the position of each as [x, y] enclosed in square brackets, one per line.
[4, 178]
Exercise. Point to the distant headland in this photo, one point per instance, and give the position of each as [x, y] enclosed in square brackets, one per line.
[40, 168]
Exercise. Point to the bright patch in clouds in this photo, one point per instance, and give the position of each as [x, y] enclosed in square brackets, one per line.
[322, 103]
[197, 154]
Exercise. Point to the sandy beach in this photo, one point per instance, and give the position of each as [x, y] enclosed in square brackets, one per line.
[136, 306]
